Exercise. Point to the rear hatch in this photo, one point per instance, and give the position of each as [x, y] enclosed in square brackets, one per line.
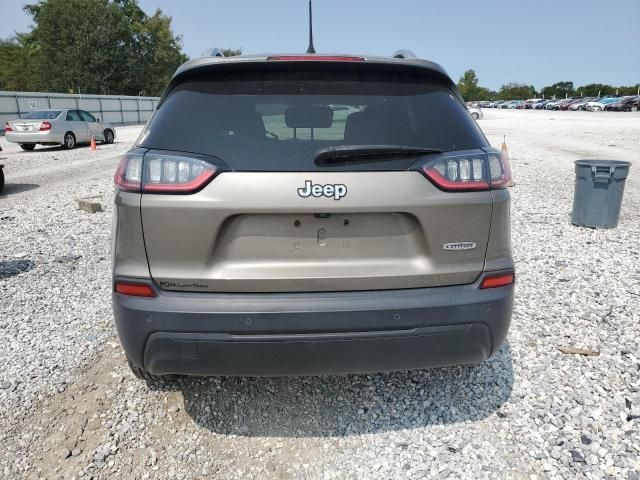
[238, 199]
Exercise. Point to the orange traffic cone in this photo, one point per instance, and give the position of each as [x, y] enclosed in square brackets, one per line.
[505, 162]
[93, 144]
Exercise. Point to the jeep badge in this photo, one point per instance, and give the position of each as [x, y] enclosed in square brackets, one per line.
[337, 191]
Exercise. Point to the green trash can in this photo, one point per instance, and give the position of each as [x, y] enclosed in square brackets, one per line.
[598, 193]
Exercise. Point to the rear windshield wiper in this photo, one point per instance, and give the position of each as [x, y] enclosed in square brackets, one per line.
[345, 153]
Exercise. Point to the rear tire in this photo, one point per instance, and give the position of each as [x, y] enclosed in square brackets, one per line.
[27, 147]
[634, 108]
[1, 180]
[150, 378]
[475, 116]
[69, 141]
[108, 137]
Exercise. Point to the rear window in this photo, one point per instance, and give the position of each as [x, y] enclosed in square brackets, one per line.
[279, 120]
[41, 115]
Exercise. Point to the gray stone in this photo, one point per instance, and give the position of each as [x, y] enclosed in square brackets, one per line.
[577, 457]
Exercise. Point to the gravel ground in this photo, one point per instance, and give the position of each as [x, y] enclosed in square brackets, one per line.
[70, 408]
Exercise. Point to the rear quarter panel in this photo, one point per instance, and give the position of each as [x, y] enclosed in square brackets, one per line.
[127, 249]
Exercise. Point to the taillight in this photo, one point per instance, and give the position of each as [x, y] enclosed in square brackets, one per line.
[169, 174]
[470, 173]
[497, 280]
[458, 174]
[7, 127]
[155, 173]
[499, 170]
[317, 58]
[135, 289]
[128, 177]
[45, 126]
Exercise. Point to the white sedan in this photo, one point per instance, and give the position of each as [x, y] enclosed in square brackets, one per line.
[66, 127]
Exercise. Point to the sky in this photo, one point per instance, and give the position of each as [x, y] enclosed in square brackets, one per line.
[538, 42]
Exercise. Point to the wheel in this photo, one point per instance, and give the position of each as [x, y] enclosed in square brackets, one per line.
[27, 146]
[596, 109]
[142, 374]
[108, 137]
[475, 116]
[1, 180]
[69, 141]
[634, 108]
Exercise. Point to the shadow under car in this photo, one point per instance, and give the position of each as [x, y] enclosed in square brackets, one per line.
[330, 406]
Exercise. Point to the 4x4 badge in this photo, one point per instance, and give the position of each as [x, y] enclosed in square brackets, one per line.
[337, 191]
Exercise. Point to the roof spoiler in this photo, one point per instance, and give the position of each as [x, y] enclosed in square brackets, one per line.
[403, 54]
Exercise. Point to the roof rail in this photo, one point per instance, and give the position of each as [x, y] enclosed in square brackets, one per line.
[213, 52]
[403, 54]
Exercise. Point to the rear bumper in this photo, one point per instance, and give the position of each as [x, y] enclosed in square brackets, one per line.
[33, 137]
[312, 333]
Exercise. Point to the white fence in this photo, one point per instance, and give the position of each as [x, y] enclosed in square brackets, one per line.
[115, 109]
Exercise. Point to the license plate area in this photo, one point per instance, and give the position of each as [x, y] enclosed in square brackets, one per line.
[319, 236]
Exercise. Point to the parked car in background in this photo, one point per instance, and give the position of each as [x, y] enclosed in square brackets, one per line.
[541, 104]
[476, 113]
[609, 103]
[515, 104]
[633, 106]
[66, 127]
[531, 102]
[598, 105]
[579, 104]
[625, 104]
[568, 102]
[555, 105]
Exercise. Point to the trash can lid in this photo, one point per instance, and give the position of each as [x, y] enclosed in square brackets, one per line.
[603, 163]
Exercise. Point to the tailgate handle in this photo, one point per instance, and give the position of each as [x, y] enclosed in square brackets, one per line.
[602, 174]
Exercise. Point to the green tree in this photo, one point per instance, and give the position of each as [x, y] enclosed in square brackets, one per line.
[517, 91]
[82, 44]
[485, 94]
[469, 88]
[157, 54]
[559, 90]
[18, 64]
[231, 52]
[632, 90]
[595, 89]
[468, 85]
[103, 46]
